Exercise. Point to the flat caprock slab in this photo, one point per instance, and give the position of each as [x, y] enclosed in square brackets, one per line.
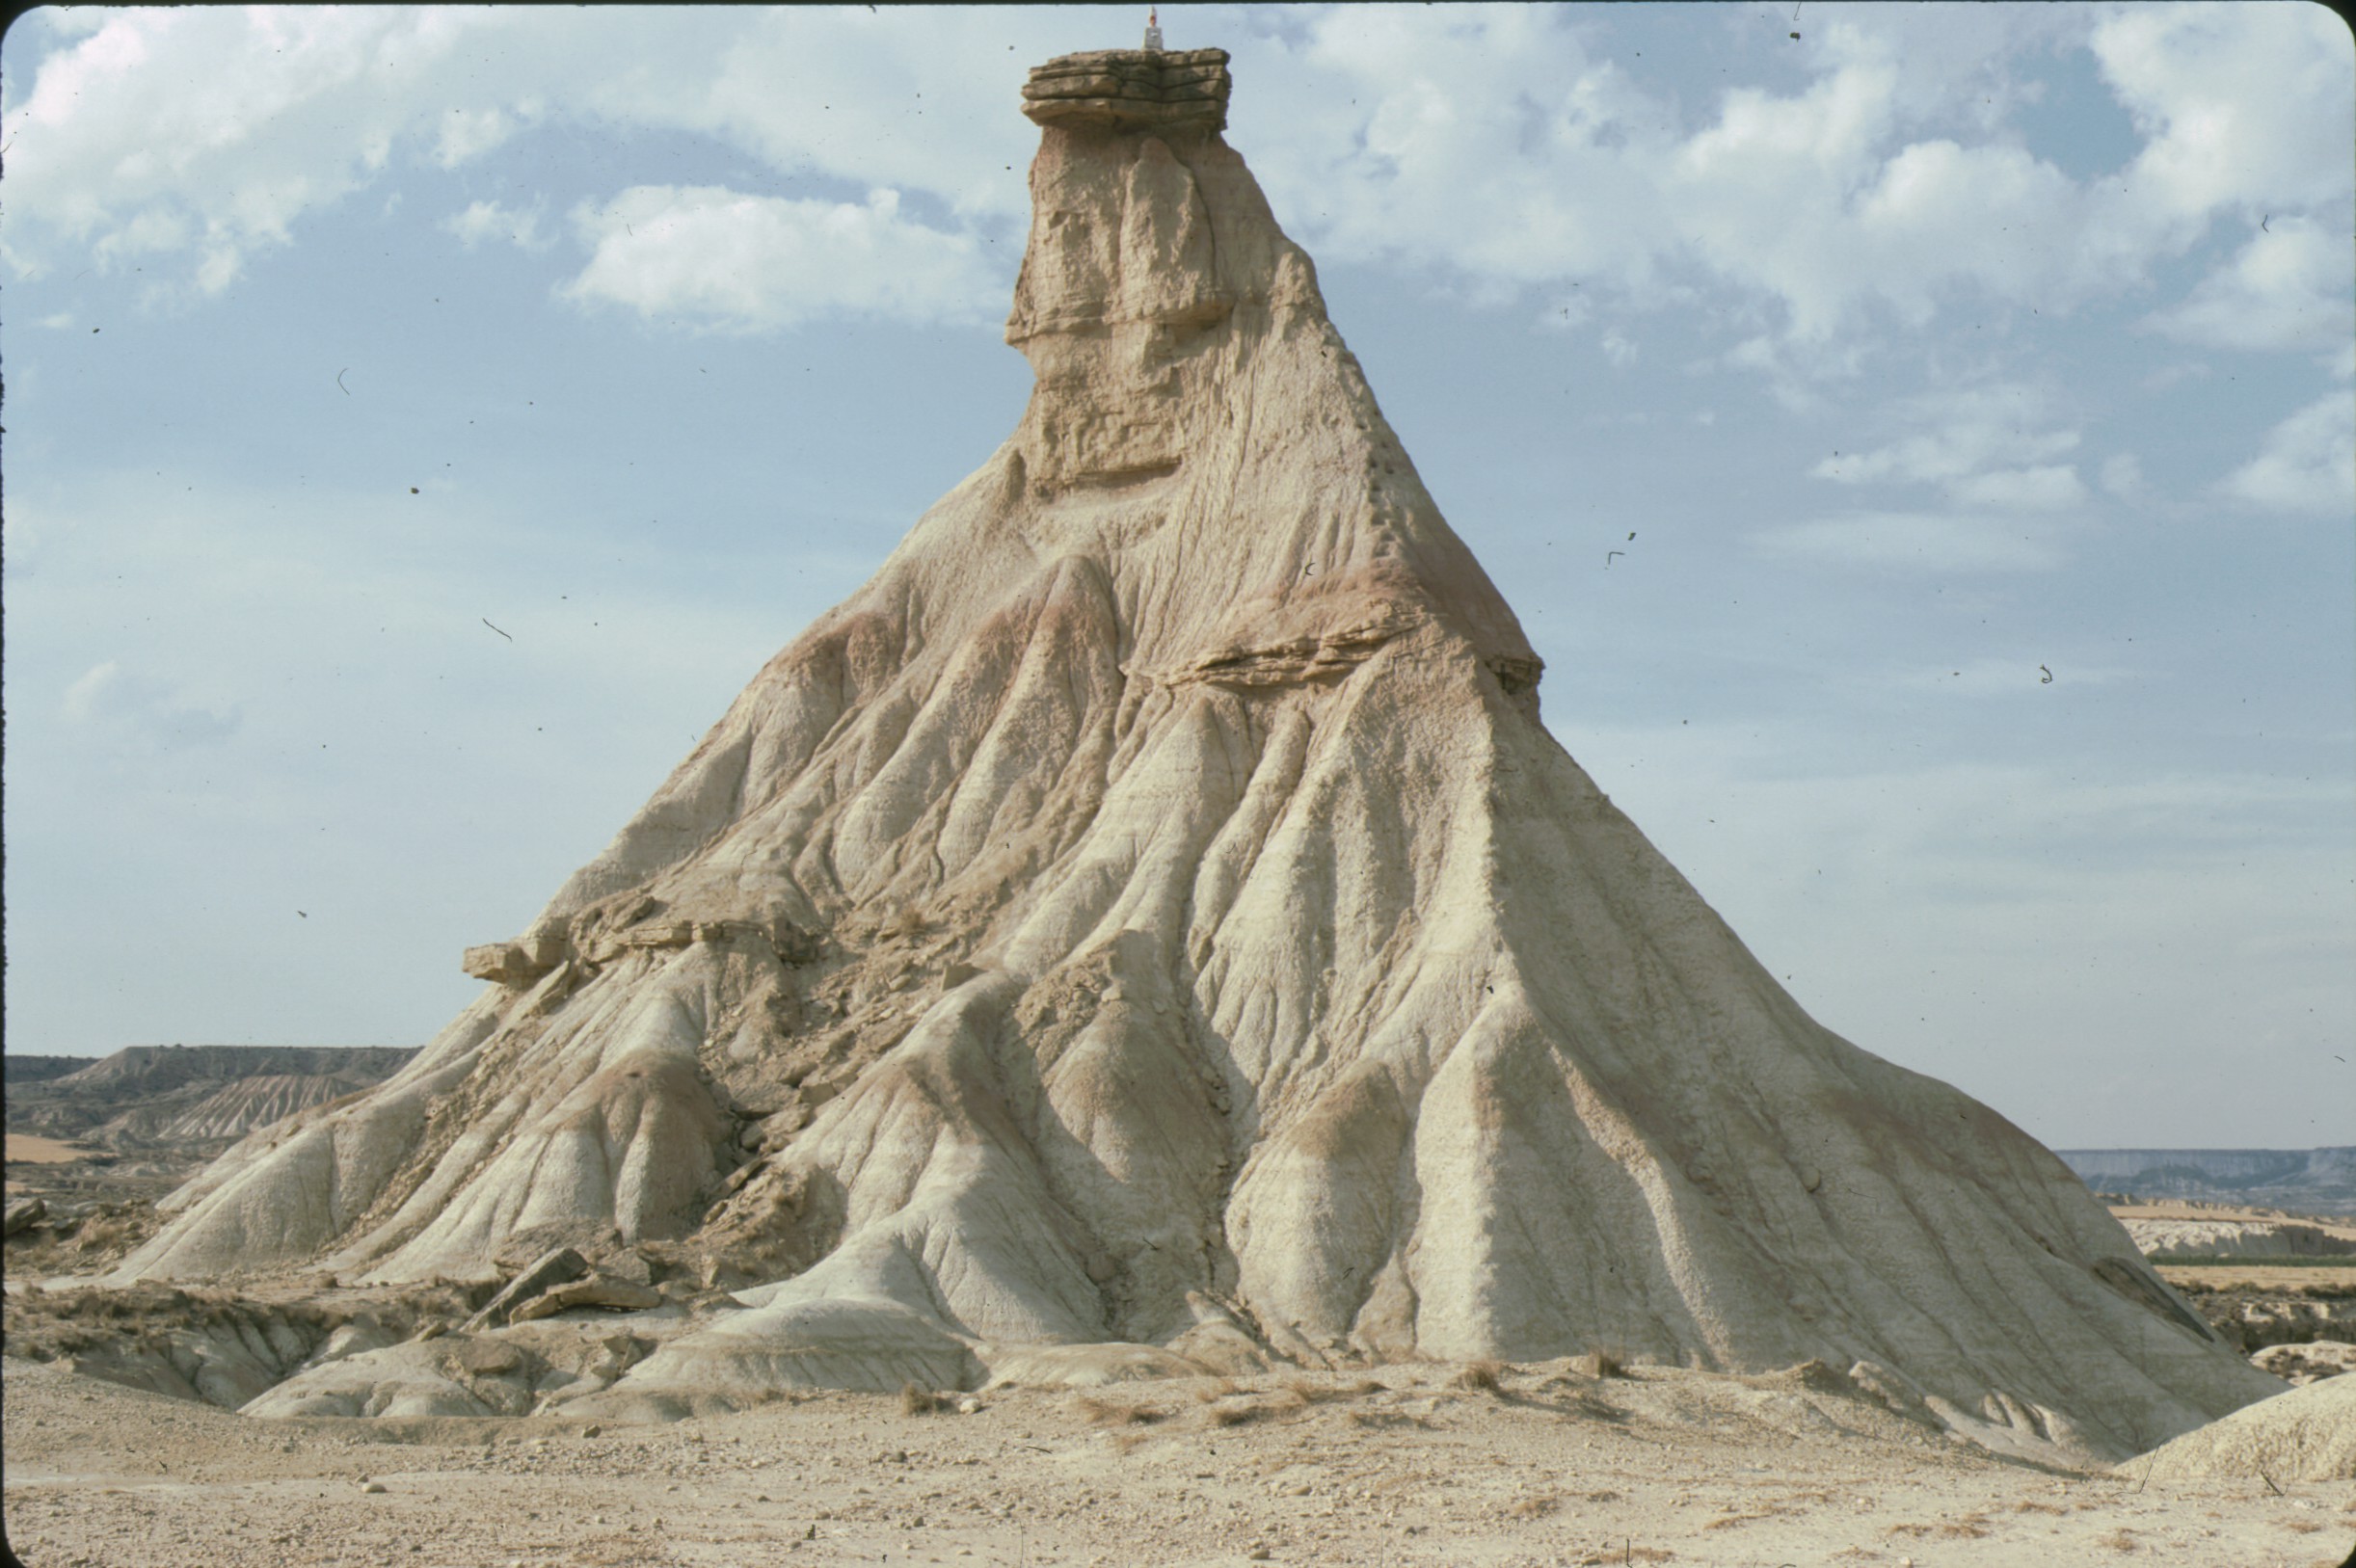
[1125, 89]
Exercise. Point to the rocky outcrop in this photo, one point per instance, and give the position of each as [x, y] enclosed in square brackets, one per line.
[1132, 90]
[2173, 1239]
[1149, 926]
[147, 1097]
[2308, 1434]
[2308, 1363]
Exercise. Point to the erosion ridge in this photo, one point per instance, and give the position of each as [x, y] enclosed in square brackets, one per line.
[1148, 929]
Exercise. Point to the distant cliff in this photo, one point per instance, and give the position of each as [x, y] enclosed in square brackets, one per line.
[147, 1097]
[40, 1069]
[2301, 1180]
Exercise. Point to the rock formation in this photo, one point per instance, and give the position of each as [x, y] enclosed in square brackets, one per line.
[1147, 927]
[143, 1097]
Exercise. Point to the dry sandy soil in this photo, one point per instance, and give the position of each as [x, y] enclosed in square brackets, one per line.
[30, 1148]
[1553, 1466]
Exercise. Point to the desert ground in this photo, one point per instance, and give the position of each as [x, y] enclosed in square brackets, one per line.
[30, 1148]
[1419, 1463]
[1408, 1464]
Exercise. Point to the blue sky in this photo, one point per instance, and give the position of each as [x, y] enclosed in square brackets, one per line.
[1932, 352]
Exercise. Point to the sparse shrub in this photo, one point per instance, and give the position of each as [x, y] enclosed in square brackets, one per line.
[1481, 1376]
[1101, 1412]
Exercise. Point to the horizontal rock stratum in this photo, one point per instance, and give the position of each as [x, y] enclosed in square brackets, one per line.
[1148, 926]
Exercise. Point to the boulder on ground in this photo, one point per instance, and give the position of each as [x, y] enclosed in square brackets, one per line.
[2308, 1434]
[595, 1290]
[2307, 1363]
[551, 1268]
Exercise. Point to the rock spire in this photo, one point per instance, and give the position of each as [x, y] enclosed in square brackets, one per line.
[1147, 927]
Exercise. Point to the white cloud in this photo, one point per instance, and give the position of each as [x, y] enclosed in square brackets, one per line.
[722, 259]
[214, 130]
[2046, 487]
[1925, 542]
[2308, 463]
[2123, 476]
[469, 133]
[2288, 288]
[2247, 107]
[1985, 449]
[489, 220]
[124, 704]
[1495, 147]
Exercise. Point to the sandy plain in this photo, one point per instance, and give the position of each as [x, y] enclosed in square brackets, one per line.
[1403, 1465]
[31, 1149]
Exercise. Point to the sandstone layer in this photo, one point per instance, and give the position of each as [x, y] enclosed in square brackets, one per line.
[1147, 928]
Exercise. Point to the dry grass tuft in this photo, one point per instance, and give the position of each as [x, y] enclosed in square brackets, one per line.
[1536, 1507]
[1125, 1439]
[1101, 1412]
[1481, 1376]
[1384, 1420]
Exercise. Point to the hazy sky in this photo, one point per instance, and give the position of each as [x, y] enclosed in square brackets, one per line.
[1925, 355]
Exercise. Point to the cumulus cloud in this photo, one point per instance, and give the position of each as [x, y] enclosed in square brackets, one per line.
[468, 134]
[489, 220]
[2123, 476]
[1499, 149]
[2308, 463]
[1984, 447]
[212, 131]
[1496, 143]
[2246, 108]
[724, 260]
[2287, 288]
[1916, 541]
[127, 705]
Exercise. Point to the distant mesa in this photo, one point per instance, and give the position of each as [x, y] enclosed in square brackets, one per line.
[1147, 928]
[2301, 1180]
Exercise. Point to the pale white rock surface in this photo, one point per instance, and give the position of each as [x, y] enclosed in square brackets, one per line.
[2165, 1238]
[2307, 1363]
[1149, 926]
[2308, 1434]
